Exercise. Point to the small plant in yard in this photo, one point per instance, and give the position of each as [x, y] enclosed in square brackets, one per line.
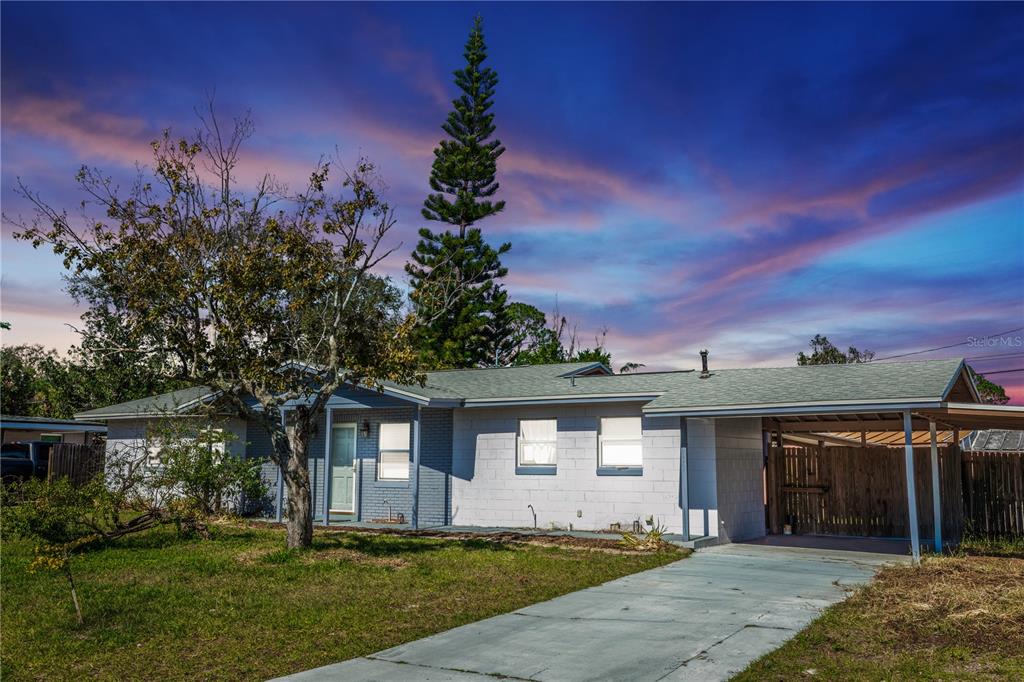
[62, 519]
[652, 540]
[59, 518]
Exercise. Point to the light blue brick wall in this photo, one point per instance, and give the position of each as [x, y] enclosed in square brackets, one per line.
[258, 445]
[373, 497]
[376, 497]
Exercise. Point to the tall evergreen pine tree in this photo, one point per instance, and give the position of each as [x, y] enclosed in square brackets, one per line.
[454, 273]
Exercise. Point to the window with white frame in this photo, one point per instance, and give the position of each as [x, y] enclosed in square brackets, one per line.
[621, 442]
[393, 459]
[537, 442]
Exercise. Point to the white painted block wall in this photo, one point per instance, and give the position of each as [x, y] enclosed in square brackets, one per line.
[486, 491]
[740, 478]
[131, 434]
[703, 477]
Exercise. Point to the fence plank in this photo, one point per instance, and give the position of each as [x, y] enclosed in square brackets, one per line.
[79, 463]
[861, 491]
[993, 490]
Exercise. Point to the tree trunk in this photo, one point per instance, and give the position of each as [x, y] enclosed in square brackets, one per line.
[74, 592]
[299, 520]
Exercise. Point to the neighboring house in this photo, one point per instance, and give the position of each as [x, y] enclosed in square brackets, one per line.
[571, 445]
[41, 429]
[993, 440]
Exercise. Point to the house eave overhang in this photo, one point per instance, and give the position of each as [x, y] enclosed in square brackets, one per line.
[167, 414]
[560, 399]
[422, 400]
[795, 409]
[983, 408]
[43, 425]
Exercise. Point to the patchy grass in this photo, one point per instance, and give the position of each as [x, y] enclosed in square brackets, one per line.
[980, 545]
[241, 606]
[955, 617]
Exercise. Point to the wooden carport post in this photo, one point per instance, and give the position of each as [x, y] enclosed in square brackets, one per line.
[908, 440]
[936, 492]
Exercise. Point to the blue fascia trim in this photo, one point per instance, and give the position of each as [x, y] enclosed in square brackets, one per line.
[536, 470]
[620, 471]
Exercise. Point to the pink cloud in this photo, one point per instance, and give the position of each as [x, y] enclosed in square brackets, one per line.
[996, 163]
[121, 139]
[535, 183]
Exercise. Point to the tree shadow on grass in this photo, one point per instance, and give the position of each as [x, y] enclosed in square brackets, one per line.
[395, 545]
[167, 535]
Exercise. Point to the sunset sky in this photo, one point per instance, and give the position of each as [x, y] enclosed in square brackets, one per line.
[736, 177]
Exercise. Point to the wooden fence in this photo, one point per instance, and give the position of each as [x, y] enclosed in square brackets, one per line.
[860, 491]
[80, 463]
[863, 491]
[993, 484]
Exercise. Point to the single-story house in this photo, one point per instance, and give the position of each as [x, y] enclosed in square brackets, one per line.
[15, 429]
[575, 446]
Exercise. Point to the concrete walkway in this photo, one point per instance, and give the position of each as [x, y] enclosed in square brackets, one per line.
[703, 618]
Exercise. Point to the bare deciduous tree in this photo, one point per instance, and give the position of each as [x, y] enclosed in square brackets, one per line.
[267, 297]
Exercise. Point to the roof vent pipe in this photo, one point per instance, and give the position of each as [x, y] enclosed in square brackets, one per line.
[704, 373]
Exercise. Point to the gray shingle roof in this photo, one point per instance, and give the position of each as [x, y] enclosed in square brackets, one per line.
[21, 422]
[825, 384]
[684, 391]
[165, 403]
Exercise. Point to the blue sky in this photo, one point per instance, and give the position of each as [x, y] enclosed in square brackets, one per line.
[737, 177]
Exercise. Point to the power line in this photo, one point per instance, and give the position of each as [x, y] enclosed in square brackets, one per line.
[994, 356]
[1001, 371]
[952, 345]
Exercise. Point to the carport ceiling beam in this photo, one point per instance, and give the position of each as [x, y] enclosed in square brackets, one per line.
[869, 425]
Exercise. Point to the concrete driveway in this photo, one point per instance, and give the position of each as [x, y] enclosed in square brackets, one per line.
[703, 618]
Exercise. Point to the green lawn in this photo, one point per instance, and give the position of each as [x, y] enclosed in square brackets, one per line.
[954, 618]
[240, 606]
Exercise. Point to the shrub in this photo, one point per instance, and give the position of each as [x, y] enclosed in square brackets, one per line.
[198, 474]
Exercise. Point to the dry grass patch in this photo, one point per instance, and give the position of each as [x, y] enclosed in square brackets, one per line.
[610, 545]
[954, 617]
[975, 602]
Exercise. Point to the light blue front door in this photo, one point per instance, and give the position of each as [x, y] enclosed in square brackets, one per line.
[343, 451]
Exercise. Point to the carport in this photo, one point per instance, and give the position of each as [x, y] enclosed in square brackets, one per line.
[836, 466]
